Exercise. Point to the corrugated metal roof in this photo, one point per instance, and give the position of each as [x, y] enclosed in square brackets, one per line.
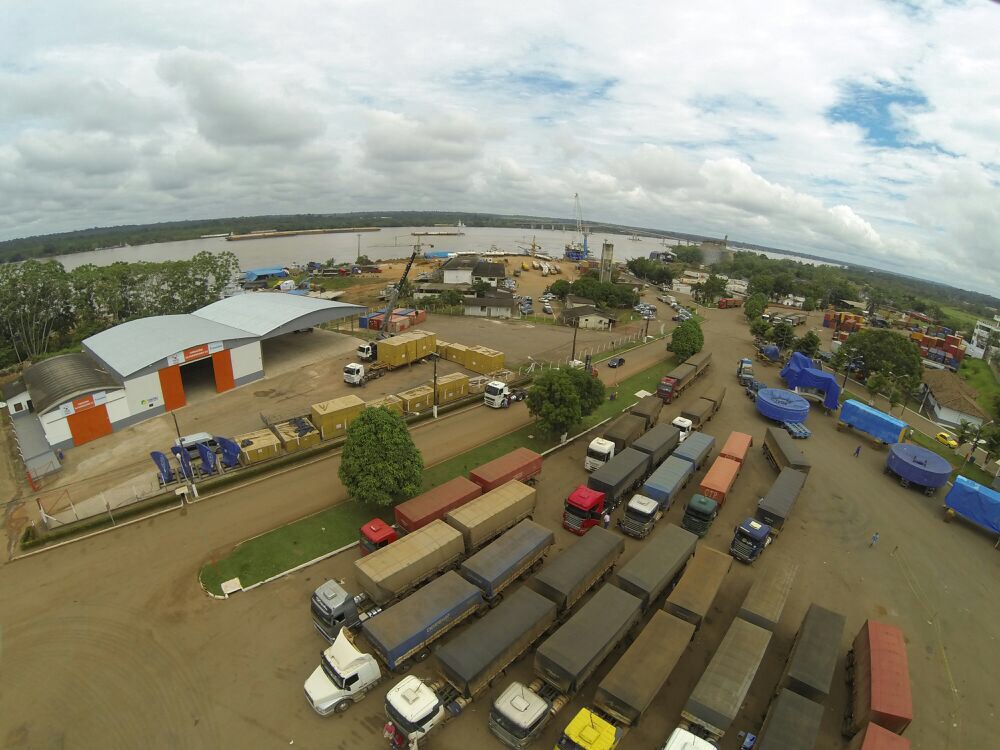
[54, 381]
[261, 313]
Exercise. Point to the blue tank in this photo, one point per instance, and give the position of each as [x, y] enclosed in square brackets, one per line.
[782, 405]
[916, 465]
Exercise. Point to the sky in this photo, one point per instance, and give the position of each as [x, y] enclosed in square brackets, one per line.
[865, 131]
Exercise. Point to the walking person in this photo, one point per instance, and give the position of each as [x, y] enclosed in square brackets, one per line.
[874, 541]
[606, 520]
[857, 451]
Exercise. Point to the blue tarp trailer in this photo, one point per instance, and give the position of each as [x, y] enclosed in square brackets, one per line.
[696, 449]
[976, 503]
[500, 563]
[801, 372]
[869, 420]
[669, 479]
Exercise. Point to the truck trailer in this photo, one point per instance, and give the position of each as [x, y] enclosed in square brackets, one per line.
[563, 663]
[692, 598]
[975, 503]
[765, 601]
[699, 413]
[776, 506]
[465, 666]
[618, 436]
[656, 567]
[696, 449]
[716, 395]
[654, 499]
[674, 382]
[575, 570]
[659, 441]
[648, 408]
[810, 666]
[878, 676]
[737, 447]
[606, 488]
[520, 464]
[489, 515]
[628, 689]
[719, 694]
[882, 428]
[719, 479]
[792, 723]
[781, 451]
[874, 737]
[503, 561]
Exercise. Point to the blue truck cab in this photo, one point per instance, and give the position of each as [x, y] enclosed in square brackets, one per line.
[750, 539]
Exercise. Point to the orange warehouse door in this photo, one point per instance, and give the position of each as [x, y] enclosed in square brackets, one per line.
[172, 387]
[89, 424]
[222, 365]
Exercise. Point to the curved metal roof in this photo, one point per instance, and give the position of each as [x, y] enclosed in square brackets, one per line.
[60, 379]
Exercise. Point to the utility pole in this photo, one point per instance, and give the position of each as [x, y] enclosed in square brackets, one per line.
[434, 359]
[576, 327]
[359, 247]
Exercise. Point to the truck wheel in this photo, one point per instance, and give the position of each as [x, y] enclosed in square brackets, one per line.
[421, 656]
[343, 706]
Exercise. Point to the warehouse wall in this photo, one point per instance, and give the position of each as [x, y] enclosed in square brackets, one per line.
[248, 363]
[56, 430]
[143, 388]
[118, 407]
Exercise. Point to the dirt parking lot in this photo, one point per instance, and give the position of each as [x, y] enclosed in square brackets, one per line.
[110, 642]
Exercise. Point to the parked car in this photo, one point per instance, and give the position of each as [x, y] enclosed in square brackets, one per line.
[945, 439]
[616, 361]
[191, 442]
[547, 308]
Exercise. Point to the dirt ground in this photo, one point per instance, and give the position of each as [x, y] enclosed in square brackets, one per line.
[111, 642]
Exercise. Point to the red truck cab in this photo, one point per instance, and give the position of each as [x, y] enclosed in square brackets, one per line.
[375, 535]
[584, 508]
[665, 389]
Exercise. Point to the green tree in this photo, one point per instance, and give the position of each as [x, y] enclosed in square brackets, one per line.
[687, 340]
[754, 307]
[808, 304]
[783, 335]
[35, 306]
[991, 442]
[992, 341]
[876, 383]
[807, 344]
[380, 464]
[554, 401]
[689, 254]
[882, 350]
[760, 329]
[560, 288]
[762, 284]
[589, 388]
[966, 433]
[450, 298]
[481, 288]
[364, 260]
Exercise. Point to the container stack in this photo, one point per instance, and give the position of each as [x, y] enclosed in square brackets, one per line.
[946, 348]
[296, 434]
[417, 399]
[483, 360]
[390, 402]
[452, 387]
[332, 417]
[459, 354]
[843, 321]
[257, 446]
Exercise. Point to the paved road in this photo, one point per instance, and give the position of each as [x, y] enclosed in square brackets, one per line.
[111, 643]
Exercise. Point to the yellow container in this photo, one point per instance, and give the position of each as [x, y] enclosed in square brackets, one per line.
[426, 343]
[332, 417]
[390, 402]
[257, 446]
[417, 399]
[452, 387]
[296, 434]
[394, 352]
[459, 354]
[441, 347]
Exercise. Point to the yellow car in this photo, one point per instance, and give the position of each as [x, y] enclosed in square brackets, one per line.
[945, 439]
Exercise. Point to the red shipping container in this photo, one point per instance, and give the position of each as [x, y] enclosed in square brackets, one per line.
[880, 680]
[435, 503]
[874, 737]
[737, 447]
[520, 464]
[719, 479]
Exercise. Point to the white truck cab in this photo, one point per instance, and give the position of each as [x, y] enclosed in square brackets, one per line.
[599, 452]
[367, 352]
[344, 676]
[518, 715]
[681, 739]
[354, 373]
[685, 425]
[414, 709]
[496, 395]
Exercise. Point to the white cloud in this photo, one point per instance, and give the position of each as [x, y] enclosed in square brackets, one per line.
[708, 117]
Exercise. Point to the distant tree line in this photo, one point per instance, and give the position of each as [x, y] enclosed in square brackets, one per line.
[46, 309]
[603, 293]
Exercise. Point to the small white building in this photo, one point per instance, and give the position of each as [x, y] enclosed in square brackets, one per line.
[503, 307]
[588, 317]
[950, 400]
[981, 333]
[468, 269]
[574, 301]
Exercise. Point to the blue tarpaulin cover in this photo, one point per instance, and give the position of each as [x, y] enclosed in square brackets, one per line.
[801, 372]
[771, 351]
[870, 420]
[276, 272]
[918, 465]
[782, 405]
[975, 502]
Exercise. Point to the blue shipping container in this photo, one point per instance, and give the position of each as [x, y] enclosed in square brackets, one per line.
[664, 483]
[363, 321]
[696, 448]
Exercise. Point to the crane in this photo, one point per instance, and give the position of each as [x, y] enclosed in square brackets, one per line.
[394, 295]
[578, 250]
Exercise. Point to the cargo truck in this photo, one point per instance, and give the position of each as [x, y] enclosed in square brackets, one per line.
[699, 413]
[658, 442]
[656, 495]
[684, 426]
[737, 447]
[503, 561]
[607, 487]
[699, 514]
[792, 723]
[344, 676]
[520, 464]
[391, 572]
[694, 594]
[719, 479]
[750, 539]
[655, 568]
[681, 739]
[417, 512]
[882, 428]
[465, 666]
[716, 395]
[696, 449]
[359, 374]
[781, 450]
[719, 694]
[674, 382]
[498, 395]
[776, 506]
[648, 408]
[626, 692]
[618, 436]
[766, 599]
[878, 677]
[575, 570]
[563, 663]
[810, 666]
[874, 737]
[744, 371]
[975, 503]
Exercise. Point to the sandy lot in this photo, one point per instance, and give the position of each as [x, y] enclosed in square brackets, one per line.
[111, 642]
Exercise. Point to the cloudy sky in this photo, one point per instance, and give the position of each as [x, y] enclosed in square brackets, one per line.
[862, 130]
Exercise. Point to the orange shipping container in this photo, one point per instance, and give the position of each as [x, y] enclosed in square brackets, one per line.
[737, 447]
[720, 479]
